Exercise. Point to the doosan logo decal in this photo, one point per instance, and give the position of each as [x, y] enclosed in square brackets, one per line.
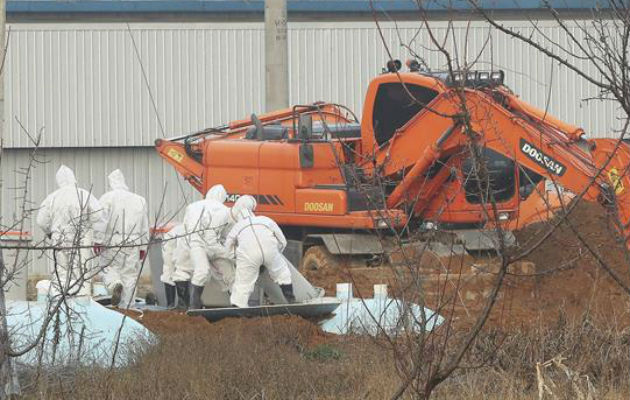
[541, 158]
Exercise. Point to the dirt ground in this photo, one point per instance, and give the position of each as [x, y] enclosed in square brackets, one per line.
[567, 278]
[584, 285]
[558, 276]
[171, 323]
[566, 305]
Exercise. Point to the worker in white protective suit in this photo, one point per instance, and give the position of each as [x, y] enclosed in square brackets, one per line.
[257, 241]
[175, 255]
[204, 222]
[126, 239]
[71, 217]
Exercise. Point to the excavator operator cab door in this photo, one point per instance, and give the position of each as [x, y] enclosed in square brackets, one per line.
[500, 184]
[474, 192]
[509, 183]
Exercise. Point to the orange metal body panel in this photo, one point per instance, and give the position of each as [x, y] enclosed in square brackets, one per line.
[236, 165]
[325, 170]
[270, 168]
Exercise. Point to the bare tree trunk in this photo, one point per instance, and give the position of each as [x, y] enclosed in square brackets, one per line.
[9, 384]
[5, 373]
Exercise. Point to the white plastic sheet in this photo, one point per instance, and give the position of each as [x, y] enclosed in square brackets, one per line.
[83, 333]
[379, 315]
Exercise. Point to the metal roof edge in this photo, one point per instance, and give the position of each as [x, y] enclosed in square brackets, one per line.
[257, 6]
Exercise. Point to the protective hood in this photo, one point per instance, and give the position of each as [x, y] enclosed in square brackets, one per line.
[65, 177]
[218, 193]
[244, 207]
[117, 180]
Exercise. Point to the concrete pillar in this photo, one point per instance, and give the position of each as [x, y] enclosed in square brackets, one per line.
[344, 291]
[276, 55]
[380, 291]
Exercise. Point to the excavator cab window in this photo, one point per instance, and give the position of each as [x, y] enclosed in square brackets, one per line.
[527, 181]
[394, 107]
[501, 177]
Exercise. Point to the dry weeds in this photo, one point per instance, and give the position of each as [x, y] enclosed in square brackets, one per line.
[290, 358]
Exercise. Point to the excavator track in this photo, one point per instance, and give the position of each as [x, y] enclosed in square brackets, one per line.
[319, 258]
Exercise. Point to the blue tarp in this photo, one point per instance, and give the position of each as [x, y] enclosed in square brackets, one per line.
[85, 333]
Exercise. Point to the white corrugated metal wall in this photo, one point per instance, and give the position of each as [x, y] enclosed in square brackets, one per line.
[82, 84]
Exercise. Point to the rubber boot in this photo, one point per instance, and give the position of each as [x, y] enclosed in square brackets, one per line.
[117, 294]
[183, 294]
[150, 299]
[195, 297]
[287, 291]
[170, 291]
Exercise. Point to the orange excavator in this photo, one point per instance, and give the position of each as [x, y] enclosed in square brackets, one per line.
[331, 180]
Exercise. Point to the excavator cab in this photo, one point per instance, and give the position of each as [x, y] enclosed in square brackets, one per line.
[458, 200]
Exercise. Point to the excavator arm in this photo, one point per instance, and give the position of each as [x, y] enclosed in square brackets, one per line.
[599, 173]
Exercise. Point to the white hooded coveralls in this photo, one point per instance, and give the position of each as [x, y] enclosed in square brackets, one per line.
[128, 227]
[71, 217]
[258, 240]
[204, 222]
[174, 253]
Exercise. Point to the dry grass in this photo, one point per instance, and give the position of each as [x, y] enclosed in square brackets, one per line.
[503, 366]
[289, 358]
[277, 358]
